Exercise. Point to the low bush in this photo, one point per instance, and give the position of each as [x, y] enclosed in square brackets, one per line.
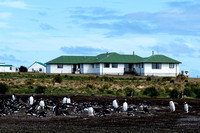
[148, 78]
[3, 88]
[129, 91]
[188, 92]
[151, 91]
[58, 79]
[40, 89]
[174, 93]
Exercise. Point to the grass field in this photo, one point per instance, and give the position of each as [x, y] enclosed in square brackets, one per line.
[29, 83]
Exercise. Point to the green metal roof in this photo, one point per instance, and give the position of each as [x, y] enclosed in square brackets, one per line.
[159, 59]
[41, 63]
[69, 60]
[6, 65]
[111, 58]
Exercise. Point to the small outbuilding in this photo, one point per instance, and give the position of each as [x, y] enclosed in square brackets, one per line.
[37, 67]
[7, 68]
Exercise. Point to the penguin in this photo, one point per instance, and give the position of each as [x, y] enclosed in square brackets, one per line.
[41, 104]
[64, 101]
[90, 111]
[186, 107]
[13, 97]
[171, 106]
[31, 100]
[115, 104]
[125, 106]
[68, 100]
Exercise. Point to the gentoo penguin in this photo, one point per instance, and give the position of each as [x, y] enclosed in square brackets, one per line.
[41, 104]
[115, 104]
[125, 106]
[64, 101]
[68, 100]
[31, 100]
[171, 106]
[13, 97]
[90, 111]
[186, 107]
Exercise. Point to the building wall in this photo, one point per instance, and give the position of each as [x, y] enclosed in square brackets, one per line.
[87, 69]
[52, 68]
[36, 68]
[112, 71]
[164, 71]
[7, 69]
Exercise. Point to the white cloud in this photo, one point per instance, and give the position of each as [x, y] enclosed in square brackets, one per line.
[5, 15]
[14, 4]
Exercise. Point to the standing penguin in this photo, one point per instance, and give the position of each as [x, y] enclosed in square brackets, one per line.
[64, 101]
[186, 107]
[171, 106]
[125, 106]
[90, 111]
[115, 104]
[31, 100]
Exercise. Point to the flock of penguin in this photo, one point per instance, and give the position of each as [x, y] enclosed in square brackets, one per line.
[42, 107]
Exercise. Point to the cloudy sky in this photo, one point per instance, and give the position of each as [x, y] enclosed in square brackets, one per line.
[41, 30]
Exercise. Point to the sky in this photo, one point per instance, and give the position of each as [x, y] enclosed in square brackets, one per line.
[41, 30]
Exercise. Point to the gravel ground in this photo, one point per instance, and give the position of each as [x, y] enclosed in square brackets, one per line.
[160, 118]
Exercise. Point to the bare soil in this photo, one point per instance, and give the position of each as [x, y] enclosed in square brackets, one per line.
[159, 119]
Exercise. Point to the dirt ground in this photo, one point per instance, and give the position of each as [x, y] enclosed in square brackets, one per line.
[159, 119]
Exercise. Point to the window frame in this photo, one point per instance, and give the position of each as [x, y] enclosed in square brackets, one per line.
[98, 65]
[171, 65]
[114, 65]
[59, 66]
[156, 66]
[106, 64]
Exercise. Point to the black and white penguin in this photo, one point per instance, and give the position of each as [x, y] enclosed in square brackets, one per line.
[125, 106]
[186, 107]
[115, 104]
[90, 111]
[171, 106]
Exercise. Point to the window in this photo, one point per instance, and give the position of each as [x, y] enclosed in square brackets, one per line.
[156, 66]
[142, 65]
[114, 65]
[106, 65]
[40, 69]
[97, 65]
[10, 68]
[60, 66]
[92, 65]
[171, 65]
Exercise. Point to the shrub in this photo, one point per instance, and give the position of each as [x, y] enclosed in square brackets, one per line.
[110, 92]
[58, 79]
[89, 86]
[148, 78]
[172, 81]
[151, 91]
[129, 91]
[40, 89]
[188, 92]
[166, 78]
[174, 93]
[23, 69]
[181, 78]
[3, 88]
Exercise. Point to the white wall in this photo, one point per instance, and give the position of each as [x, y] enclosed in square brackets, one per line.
[112, 71]
[52, 68]
[7, 69]
[164, 71]
[87, 69]
[36, 68]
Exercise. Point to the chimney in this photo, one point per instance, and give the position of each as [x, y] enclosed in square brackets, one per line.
[133, 53]
[107, 54]
[152, 53]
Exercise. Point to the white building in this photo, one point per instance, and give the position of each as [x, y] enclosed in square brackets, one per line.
[115, 64]
[7, 68]
[37, 67]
